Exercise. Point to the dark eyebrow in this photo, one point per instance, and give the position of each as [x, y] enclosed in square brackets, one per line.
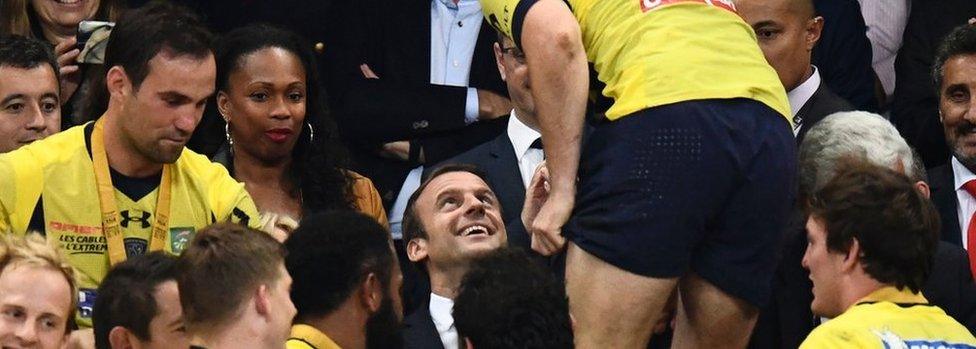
[174, 95]
[766, 23]
[12, 97]
[51, 95]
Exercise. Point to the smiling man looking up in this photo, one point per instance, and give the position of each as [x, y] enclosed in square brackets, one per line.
[125, 185]
[451, 219]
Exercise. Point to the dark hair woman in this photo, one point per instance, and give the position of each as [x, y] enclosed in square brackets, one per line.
[280, 141]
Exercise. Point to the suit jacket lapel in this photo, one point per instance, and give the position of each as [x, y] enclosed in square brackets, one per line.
[944, 197]
[505, 164]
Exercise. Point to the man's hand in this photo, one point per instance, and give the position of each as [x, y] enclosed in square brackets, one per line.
[70, 72]
[400, 150]
[492, 105]
[80, 339]
[367, 72]
[545, 212]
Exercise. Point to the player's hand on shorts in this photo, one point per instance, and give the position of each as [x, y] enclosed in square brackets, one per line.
[545, 212]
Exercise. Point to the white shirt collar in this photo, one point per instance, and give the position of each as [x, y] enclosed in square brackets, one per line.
[450, 3]
[440, 309]
[802, 93]
[960, 174]
[521, 135]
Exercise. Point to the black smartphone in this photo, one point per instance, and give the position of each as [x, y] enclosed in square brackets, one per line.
[92, 40]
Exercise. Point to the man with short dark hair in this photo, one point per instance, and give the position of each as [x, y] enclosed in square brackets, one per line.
[30, 101]
[506, 300]
[138, 305]
[346, 283]
[452, 218]
[124, 185]
[234, 289]
[953, 185]
[788, 31]
[872, 237]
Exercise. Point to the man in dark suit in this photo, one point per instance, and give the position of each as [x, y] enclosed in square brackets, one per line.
[788, 319]
[411, 82]
[915, 103]
[452, 218]
[788, 31]
[510, 160]
[954, 188]
[399, 90]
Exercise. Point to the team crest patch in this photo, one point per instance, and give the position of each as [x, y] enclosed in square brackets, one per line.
[179, 238]
[86, 302]
[135, 247]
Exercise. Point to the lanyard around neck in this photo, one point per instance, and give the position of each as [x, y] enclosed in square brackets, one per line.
[110, 213]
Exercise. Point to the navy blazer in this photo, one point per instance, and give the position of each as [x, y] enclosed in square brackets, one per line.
[942, 186]
[822, 103]
[418, 330]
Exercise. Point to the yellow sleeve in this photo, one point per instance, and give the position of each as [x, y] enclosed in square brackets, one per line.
[368, 200]
[228, 198]
[826, 336]
[21, 181]
[507, 16]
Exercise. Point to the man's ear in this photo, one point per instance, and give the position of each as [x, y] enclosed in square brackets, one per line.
[813, 31]
[499, 56]
[924, 189]
[118, 83]
[120, 338]
[262, 300]
[371, 293]
[853, 257]
[417, 250]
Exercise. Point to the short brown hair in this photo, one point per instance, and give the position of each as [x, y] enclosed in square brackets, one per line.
[895, 226]
[34, 251]
[224, 263]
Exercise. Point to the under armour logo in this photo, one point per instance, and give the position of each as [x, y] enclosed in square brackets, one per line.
[242, 217]
[144, 220]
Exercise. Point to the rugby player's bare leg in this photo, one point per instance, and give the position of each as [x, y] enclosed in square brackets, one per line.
[710, 318]
[612, 308]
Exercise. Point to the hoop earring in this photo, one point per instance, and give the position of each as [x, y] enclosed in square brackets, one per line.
[230, 140]
[311, 133]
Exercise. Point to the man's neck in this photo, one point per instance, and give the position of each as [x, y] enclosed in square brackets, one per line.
[528, 118]
[806, 76]
[445, 282]
[345, 326]
[121, 156]
[250, 169]
[237, 335]
[861, 286]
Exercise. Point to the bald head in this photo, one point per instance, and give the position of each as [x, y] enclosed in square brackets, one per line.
[786, 30]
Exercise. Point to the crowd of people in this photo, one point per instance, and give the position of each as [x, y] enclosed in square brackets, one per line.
[488, 174]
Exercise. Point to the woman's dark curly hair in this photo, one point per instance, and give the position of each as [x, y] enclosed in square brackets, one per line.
[318, 166]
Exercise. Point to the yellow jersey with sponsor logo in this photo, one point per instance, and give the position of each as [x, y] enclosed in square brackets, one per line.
[890, 318]
[49, 186]
[656, 52]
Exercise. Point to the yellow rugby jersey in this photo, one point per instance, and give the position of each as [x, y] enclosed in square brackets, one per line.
[889, 318]
[308, 337]
[49, 186]
[656, 52]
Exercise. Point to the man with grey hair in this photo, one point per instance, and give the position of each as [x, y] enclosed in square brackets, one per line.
[787, 320]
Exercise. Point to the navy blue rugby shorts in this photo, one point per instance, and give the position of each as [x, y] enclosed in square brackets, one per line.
[703, 185]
